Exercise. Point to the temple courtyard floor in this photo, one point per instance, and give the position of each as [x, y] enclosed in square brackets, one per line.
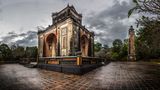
[113, 76]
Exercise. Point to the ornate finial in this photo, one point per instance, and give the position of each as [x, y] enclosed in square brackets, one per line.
[131, 28]
[68, 5]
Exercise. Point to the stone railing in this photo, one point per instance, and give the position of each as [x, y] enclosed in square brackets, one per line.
[58, 60]
[92, 60]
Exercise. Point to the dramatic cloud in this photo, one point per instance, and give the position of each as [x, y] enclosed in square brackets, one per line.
[110, 24]
[107, 18]
[23, 39]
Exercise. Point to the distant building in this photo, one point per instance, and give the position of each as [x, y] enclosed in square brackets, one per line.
[66, 36]
[131, 44]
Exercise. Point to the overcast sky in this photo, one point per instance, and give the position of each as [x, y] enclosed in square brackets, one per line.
[107, 18]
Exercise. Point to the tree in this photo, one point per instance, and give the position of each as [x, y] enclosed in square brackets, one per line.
[117, 52]
[18, 52]
[5, 52]
[102, 53]
[31, 52]
[146, 6]
[105, 46]
[148, 43]
[147, 40]
[97, 47]
[115, 56]
[117, 44]
[124, 50]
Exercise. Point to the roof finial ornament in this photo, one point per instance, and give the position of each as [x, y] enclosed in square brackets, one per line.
[131, 28]
[68, 5]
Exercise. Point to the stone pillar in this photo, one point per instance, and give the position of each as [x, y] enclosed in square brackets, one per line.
[131, 45]
[40, 45]
[79, 60]
[57, 41]
[92, 44]
[38, 55]
[79, 39]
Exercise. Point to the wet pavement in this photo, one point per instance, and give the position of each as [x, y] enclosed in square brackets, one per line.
[114, 76]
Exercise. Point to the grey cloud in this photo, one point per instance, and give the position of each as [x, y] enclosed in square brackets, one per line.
[108, 23]
[103, 17]
[26, 39]
[107, 41]
[29, 40]
[23, 34]
[98, 34]
[11, 33]
[117, 11]
[9, 37]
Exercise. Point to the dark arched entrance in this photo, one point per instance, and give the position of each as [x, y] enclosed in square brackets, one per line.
[84, 45]
[50, 45]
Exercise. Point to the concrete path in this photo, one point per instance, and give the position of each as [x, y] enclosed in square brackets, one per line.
[114, 76]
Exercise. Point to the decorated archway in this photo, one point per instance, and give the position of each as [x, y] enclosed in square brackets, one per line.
[84, 45]
[51, 45]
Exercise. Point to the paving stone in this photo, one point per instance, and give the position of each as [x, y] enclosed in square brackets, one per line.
[114, 76]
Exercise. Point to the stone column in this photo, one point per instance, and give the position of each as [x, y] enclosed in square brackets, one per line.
[92, 44]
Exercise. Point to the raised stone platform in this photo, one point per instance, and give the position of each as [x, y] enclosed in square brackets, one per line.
[72, 64]
[74, 69]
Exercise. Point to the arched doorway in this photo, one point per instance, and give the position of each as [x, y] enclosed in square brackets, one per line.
[84, 45]
[51, 45]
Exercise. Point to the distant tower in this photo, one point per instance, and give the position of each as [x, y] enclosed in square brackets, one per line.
[131, 45]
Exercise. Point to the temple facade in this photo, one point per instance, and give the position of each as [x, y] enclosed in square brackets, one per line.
[131, 45]
[66, 36]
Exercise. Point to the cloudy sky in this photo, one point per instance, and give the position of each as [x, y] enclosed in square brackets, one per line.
[107, 18]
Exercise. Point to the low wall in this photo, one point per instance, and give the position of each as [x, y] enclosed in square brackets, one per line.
[27, 60]
[8, 62]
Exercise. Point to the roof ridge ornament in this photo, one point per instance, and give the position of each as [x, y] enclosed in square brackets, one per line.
[68, 5]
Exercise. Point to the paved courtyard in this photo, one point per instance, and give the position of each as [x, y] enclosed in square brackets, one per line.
[114, 76]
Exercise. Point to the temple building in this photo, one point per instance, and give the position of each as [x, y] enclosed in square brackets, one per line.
[131, 44]
[66, 36]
